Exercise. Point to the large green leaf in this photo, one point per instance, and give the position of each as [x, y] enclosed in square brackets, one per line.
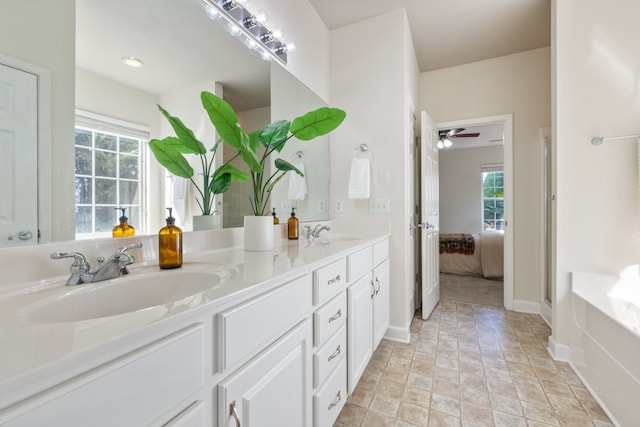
[185, 135]
[317, 123]
[275, 134]
[170, 157]
[247, 154]
[254, 140]
[224, 119]
[285, 166]
[220, 183]
[235, 173]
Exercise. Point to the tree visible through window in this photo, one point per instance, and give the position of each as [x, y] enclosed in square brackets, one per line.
[492, 198]
[108, 176]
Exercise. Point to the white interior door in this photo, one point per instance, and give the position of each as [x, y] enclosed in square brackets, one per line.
[430, 221]
[18, 157]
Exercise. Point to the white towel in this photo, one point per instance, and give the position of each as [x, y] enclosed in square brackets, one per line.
[297, 183]
[359, 179]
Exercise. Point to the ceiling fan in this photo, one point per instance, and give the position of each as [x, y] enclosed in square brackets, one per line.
[445, 136]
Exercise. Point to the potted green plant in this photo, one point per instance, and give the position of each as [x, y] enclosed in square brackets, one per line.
[170, 152]
[273, 138]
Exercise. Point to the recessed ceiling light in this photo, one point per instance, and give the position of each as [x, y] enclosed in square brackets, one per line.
[132, 61]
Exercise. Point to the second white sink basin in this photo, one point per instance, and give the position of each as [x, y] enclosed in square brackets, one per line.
[125, 294]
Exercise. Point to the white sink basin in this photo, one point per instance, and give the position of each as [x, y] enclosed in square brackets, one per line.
[126, 294]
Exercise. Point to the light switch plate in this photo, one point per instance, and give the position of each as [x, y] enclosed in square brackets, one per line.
[379, 206]
[338, 205]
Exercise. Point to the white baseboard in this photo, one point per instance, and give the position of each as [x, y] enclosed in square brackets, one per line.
[546, 313]
[396, 333]
[526, 306]
[560, 352]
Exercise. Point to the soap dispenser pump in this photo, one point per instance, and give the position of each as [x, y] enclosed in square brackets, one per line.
[292, 226]
[123, 229]
[170, 244]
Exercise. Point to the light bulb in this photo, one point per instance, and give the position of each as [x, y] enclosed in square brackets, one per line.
[447, 143]
[291, 47]
[440, 144]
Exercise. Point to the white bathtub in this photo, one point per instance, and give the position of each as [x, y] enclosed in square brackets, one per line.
[605, 341]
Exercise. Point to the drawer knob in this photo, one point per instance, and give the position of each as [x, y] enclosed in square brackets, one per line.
[334, 354]
[335, 401]
[336, 316]
[233, 412]
[334, 280]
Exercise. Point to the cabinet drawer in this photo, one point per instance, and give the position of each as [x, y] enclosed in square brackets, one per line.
[191, 417]
[329, 280]
[329, 356]
[130, 391]
[329, 318]
[380, 251]
[359, 263]
[247, 328]
[330, 399]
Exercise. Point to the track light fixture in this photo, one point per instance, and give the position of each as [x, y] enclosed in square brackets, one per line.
[242, 23]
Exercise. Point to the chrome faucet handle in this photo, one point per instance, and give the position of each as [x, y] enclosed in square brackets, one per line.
[123, 249]
[79, 260]
[308, 233]
[78, 268]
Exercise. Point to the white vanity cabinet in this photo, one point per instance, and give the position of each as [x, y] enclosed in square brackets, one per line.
[330, 343]
[274, 388]
[284, 352]
[132, 390]
[368, 306]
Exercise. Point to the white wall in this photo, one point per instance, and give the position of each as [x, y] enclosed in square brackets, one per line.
[517, 84]
[597, 93]
[461, 187]
[42, 32]
[301, 24]
[373, 74]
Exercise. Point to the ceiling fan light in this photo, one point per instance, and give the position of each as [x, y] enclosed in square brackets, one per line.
[447, 143]
[440, 144]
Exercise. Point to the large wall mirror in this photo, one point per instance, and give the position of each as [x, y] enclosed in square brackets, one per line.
[184, 51]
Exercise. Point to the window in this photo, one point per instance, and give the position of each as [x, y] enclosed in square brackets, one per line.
[109, 174]
[492, 197]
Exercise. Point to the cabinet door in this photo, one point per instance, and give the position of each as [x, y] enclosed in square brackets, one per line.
[360, 328]
[380, 302]
[274, 388]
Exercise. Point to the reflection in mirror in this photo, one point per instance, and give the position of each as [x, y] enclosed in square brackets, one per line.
[177, 64]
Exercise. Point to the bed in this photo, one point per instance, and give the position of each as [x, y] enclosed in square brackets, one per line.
[480, 254]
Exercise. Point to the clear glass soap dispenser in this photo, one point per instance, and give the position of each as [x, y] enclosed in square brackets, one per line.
[170, 244]
[123, 229]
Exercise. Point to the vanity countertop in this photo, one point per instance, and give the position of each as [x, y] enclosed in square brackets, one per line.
[34, 350]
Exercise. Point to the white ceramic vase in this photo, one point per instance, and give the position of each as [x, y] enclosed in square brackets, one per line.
[207, 222]
[258, 233]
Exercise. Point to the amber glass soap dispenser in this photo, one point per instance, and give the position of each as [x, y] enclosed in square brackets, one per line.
[170, 244]
[123, 229]
[275, 218]
[292, 226]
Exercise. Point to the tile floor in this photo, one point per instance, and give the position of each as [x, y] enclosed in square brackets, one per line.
[470, 365]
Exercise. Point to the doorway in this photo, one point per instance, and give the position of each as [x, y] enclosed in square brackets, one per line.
[505, 122]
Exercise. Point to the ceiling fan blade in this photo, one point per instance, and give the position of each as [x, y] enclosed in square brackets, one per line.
[464, 135]
[453, 132]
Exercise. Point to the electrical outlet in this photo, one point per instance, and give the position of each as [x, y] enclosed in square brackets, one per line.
[322, 205]
[338, 205]
[379, 206]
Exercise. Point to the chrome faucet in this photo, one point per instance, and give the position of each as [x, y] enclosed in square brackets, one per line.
[311, 234]
[112, 267]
